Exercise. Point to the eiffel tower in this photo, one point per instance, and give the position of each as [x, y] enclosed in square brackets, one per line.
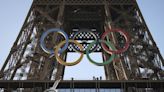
[33, 64]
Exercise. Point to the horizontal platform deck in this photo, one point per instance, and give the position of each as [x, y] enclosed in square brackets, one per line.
[83, 84]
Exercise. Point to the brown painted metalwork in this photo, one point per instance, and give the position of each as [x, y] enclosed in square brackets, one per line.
[28, 61]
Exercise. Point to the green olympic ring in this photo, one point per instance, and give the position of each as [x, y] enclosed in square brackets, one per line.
[103, 63]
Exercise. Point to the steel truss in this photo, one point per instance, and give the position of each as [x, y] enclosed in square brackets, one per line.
[27, 61]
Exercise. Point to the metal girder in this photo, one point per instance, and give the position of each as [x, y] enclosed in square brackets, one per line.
[84, 2]
[70, 14]
[151, 38]
[120, 70]
[128, 18]
[47, 66]
[21, 42]
[83, 84]
[45, 15]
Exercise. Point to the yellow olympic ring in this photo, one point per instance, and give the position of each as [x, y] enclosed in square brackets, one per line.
[64, 62]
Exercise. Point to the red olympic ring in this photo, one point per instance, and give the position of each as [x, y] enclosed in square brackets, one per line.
[119, 51]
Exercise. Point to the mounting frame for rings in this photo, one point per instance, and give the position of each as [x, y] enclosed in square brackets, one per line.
[92, 33]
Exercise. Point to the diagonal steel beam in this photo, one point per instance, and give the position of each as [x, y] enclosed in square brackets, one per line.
[45, 15]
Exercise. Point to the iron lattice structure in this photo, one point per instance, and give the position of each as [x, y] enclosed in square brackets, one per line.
[27, 61]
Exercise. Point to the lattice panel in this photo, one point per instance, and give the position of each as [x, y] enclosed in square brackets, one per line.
[82, 2]
[84, 38]
[70, 47]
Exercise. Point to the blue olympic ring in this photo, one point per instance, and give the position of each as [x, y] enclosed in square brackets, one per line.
[51, 51]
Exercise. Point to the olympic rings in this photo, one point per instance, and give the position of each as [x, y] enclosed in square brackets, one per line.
[106, 62]
[85, 30]
[116, 51]
[107, 46]
[51, 51]
[63, 62]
